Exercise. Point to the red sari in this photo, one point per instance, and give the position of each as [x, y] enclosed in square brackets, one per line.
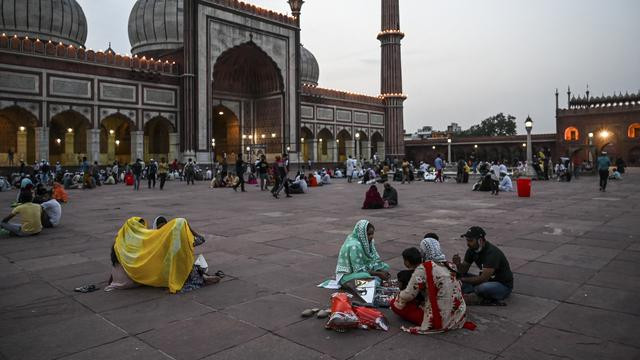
[372, 199]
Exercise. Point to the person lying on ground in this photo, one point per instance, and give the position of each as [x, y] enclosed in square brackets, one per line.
[163, 257]
[358, 257]
[30, 217]
[495, 281]
[432, 299]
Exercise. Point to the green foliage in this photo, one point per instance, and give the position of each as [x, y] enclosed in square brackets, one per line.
[498, 125]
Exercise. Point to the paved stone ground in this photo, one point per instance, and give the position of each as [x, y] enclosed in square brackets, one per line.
[575, 252]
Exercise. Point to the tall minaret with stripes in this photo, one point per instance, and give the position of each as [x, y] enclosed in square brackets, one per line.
[390, 38]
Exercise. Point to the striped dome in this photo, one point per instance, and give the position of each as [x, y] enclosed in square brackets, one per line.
[155, 26]
[309, 68]
[55, 20]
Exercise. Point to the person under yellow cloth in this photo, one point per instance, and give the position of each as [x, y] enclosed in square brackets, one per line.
[30, 216]
[161, 257]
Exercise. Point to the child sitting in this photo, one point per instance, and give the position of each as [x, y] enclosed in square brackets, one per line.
[412, 258]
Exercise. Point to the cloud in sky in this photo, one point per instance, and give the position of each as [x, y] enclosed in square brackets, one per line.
[463, 60]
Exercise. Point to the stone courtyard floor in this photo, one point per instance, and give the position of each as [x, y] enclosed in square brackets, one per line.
[574, 252]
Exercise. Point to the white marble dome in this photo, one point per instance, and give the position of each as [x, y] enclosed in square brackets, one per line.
[55, 20]
[309, 68]
[155, 27]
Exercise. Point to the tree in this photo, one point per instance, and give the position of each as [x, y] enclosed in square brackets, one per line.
[498, 125]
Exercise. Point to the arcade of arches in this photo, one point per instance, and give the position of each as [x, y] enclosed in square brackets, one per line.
[18, 135]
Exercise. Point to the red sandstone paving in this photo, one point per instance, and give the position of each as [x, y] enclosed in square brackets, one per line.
[573, 251]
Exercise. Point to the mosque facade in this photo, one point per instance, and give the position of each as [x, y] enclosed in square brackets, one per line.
[205, 79]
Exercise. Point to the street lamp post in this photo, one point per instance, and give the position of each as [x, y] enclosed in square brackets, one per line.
[449, 150]
[357, 144]
[590, 150]
[528, 124]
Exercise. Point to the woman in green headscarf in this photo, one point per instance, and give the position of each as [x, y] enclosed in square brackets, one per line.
[358, 258]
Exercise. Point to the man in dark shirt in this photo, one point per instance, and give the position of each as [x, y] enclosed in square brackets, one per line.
[136, 169]
[240, 169]
[495, 281]
[263, 168]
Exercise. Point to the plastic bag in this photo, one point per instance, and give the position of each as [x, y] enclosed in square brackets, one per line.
[342, 315]
[371, 318]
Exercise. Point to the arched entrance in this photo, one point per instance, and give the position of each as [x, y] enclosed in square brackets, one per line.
[245, 75]
[68, 137]
[226, 130]
[17, 134]
[342, 139]
[306, 143]
[325, 146]
[377, 145]
[156, 139]
[115, 139]
[362, 145]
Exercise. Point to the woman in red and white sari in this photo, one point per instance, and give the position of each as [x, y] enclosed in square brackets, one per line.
[444, 308]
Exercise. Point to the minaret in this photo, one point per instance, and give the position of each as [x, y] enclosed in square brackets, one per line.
[390, 37]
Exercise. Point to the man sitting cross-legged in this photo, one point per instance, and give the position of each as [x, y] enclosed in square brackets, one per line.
[495, 281]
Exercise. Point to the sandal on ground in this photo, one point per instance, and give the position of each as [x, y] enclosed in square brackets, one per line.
[219, 274]
[323, 313]
[309, 312]
[86, 288]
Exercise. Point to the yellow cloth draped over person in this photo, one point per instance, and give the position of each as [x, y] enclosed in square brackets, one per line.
[160, 258]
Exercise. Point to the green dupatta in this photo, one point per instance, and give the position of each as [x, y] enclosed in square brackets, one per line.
[357, 256]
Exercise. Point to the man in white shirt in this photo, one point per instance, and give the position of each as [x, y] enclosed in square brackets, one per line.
[495, 178]
[503, 168]
[350, 168]
[505, 183]
[51, 213]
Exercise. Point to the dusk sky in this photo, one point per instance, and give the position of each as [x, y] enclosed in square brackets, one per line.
[463, 60]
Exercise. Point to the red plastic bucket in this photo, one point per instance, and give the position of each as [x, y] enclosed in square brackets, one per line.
[524, 187]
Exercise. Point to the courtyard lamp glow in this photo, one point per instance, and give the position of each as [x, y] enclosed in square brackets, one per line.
[22, 128]
[220, 112]
[263, 136]
[111, 132]
[117, 142]
[475, 146]
[604, 134]
[69, 130]
[58, 141]
[433, 147]
[273, 135]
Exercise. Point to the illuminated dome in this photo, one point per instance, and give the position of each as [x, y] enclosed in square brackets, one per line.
[55, 20]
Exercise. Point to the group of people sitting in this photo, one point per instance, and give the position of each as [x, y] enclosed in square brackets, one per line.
[36, 207]
[494, 177]
[434, 292]
[373, 200]
[162, 256]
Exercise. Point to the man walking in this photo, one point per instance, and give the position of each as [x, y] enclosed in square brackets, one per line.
[439, 164]
[189, 171]
[603, 164]
[151, 173]
[163, 169]
[136, 169]
[263, 167]
[350, 165]
[240, 169]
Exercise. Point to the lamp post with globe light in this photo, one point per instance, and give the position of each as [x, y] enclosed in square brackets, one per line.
[528, 124]
[449, 150]
[590, 150]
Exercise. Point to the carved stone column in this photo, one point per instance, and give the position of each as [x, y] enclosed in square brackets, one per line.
[137, 145]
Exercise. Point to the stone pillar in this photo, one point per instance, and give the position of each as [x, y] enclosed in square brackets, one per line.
[349, 148]
[42, 142]
[332, 151]
[314, 151]
[381, 152]
[137, 145]
[174, 146]
[145, 150]
[69, 138]
[21, 148]
[365, 149]
[93, 145]
[111, 148]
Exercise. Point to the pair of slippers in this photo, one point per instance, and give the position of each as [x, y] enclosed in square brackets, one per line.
[86, 288]
[320, 314]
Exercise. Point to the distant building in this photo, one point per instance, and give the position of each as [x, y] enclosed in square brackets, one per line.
[454, 128]
[612, 121]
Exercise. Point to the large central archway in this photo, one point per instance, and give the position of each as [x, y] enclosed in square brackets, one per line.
[246, 76]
